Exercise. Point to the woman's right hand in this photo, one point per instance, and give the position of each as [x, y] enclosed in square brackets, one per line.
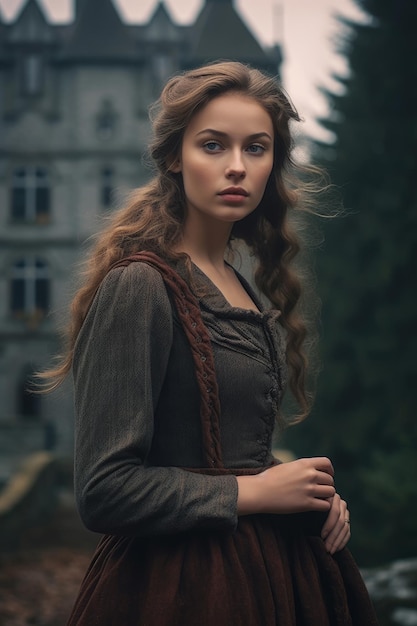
[294, 487]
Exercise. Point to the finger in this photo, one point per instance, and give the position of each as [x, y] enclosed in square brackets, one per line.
[325, 479]
[332, 518]
[340, 541]
[336, 518]
[324, 464]
[324, 492]
[319, 504]
[340, 533]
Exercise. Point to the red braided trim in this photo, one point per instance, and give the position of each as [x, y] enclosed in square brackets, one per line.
[200, 344]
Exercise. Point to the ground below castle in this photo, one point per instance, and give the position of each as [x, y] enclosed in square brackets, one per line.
[39, 581]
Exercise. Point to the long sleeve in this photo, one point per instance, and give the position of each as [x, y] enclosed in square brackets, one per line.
[120, 361]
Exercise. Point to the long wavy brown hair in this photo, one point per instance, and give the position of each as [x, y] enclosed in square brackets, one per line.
[154, 214]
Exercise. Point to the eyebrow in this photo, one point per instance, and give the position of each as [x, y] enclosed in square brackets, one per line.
[219, 133]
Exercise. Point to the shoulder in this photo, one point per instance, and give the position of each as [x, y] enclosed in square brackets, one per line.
[136, 290]
[136, 275]
[133, 280]
[131, 313]
[129, 301]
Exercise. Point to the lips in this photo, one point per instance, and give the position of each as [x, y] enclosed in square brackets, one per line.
[234, 191]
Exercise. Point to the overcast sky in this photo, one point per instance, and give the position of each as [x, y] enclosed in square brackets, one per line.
[307, 30]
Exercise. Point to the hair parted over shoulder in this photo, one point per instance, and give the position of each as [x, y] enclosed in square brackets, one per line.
[153, 216]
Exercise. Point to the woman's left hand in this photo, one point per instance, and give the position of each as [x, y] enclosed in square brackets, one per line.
[336, 530]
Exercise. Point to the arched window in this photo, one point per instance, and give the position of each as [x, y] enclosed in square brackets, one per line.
[29, 292]
[30, 198]
[162, 67]
[106, 186]
[106, 119]
[32, 75]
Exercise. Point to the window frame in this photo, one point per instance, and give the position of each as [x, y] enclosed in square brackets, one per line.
[30, 289]
[30, 195]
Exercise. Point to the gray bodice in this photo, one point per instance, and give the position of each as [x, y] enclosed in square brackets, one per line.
[249, 355]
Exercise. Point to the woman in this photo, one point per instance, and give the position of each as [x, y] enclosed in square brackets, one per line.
[179, 373]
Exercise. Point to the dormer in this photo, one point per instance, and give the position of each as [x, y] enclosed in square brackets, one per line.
[160, 28]
[163, 41]
[29, 42]
[31, 27]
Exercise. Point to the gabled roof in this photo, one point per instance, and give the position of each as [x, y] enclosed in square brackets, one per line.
[99, 35]
[220, 33]
[161, 28]
[31, 26]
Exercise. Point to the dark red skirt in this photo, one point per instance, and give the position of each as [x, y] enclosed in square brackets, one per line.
[270, 571]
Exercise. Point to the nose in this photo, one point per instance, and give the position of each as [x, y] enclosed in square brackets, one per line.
[236, 167]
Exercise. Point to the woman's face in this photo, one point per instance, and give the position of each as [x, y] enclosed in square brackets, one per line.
[226, 159]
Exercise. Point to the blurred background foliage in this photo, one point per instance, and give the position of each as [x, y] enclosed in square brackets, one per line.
[364, 416]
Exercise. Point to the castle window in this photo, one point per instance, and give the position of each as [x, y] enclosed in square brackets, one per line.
[30, 198]
[107, 185]
[32, 75]
[162, 68]
[106, 121]
[28, 403]
[29, 290]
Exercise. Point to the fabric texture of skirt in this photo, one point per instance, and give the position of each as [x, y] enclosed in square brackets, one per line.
[268, 572]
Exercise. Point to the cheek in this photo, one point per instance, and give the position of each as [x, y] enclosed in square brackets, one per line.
[195, 173]
[264, 176]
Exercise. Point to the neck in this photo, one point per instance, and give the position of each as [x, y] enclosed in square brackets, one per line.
[206, 244]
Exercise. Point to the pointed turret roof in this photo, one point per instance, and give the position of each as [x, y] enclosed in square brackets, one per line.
[220, 33]
[99, 35]
[31, 26]
[161, 28]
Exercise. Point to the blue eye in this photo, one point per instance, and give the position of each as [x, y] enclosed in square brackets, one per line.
[256, 148]
[212, 146]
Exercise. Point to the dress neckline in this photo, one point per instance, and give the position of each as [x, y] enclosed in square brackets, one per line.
[215, 291]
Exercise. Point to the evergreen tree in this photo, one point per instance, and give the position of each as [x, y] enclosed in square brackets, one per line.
[365, 413]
